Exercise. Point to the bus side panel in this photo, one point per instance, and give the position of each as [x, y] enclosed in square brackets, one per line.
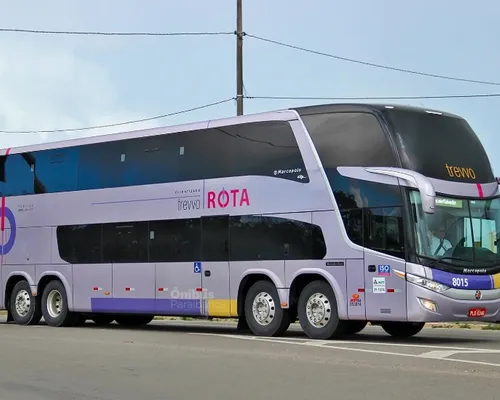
[32, 246]
[176, 289]
[216, 290]
[92, 282]
[133, 290]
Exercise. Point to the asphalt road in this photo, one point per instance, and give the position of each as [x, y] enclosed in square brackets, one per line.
[187, 361]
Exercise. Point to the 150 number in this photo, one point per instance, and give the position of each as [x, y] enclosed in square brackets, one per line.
[460, 282]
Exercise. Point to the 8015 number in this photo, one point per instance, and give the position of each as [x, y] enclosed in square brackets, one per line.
[459, 282]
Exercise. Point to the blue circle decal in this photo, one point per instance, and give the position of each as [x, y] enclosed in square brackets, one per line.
[7, 247]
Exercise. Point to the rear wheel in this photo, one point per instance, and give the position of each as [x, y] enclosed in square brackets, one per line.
[24, 307]
[134, 320]
[55, 305]
[263, 311]
[317, 310]
[402, 329]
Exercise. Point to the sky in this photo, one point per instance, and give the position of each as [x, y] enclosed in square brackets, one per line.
[52, 82]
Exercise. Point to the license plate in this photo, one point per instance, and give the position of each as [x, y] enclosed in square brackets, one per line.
[477, 312]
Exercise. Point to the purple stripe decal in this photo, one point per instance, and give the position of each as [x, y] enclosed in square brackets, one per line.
[148, 306]
[459, 281]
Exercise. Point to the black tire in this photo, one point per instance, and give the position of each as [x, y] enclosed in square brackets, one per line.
[278, 318]
[134, 320]
[330, 327]
[22, 292]
[402, 329]
[103, 319]
[353, 327]
[64, 317]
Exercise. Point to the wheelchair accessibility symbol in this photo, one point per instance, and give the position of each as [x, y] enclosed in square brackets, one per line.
[197, 268]
[8, 215]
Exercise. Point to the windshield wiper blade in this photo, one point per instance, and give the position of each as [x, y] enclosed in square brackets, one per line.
[441, 259]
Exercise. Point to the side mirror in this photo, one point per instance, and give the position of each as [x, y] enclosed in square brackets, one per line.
[416, 180]
[498, 179]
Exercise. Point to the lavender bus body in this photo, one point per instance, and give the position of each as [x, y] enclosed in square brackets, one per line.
[335, 215]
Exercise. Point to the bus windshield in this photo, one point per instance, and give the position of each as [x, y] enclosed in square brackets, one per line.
[461, 233]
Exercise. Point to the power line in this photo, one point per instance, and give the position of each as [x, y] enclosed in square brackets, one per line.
[264, 39]
[126, 122]
[370, 64]
[97, 33]
[452, 96]
[477, 95]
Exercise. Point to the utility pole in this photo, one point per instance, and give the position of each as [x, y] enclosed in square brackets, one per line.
[239, 57]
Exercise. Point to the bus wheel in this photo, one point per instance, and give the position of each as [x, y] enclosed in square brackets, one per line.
[134, 320]
[353, 327]
[102, 320]
[263, 311]
[55, 305]
[317, 309]
[24, 307]
[402, 329]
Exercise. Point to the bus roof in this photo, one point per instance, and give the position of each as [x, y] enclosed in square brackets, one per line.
[362, 107]
[305, 110]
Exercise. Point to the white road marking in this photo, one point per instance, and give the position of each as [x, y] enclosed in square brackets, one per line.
[367, 343]
[436, 355]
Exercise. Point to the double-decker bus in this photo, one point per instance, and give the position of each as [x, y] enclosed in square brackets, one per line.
[333, 215]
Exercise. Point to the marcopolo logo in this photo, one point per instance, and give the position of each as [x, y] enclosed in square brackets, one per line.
[7, 216]
[225, 198]
[287, 171]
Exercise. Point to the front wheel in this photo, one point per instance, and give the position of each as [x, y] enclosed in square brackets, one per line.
[402, 329]
[263, 311]
[317, 309]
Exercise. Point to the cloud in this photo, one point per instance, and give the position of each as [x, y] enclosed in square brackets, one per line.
[48, 86]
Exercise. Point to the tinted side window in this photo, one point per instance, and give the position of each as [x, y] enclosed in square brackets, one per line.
[383, 230]
[245, 236]
[19, 177]
[357, 193]
[80, 244]
[125, 242]
[150, 160]
[175, 240]
[204, 155]
[56, 170]
[3, 159]
[266, 149]
[349, 139]
[353, 223]
[242, 238]
[101, 165]
[215, 238]
[272, 238]
[371, 212]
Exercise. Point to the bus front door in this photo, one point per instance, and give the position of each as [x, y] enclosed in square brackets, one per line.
[385, 293]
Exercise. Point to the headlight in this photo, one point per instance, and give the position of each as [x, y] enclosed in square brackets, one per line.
[426, 283]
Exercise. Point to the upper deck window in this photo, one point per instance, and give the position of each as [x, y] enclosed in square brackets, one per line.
[349, 139]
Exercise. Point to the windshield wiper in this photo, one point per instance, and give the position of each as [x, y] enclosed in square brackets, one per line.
[441, 259]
